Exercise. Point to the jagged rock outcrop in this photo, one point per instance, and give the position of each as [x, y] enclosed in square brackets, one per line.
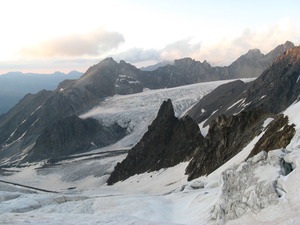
[226, 137]
[73, 135]
[275, 90]
[167, 142]
[278, 135]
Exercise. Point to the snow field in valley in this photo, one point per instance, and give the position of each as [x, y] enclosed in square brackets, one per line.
[160, 197]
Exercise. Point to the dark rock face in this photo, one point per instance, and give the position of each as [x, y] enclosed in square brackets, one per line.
[73, 135]
[217, 102]
[127, 85]
[279, 82]
[226, 138]
[167, 142]
[278, 135]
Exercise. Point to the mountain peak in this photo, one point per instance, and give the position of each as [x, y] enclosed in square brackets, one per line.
[108, 59]
[280, 49]
[288, 44]
[184, 61]
[165, 112]
[292, 55]
[253, 53]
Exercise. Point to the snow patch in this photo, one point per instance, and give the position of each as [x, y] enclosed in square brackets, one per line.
[262, 97]
[203, 130]
[234, 104]
[36, 110]
[267, 122]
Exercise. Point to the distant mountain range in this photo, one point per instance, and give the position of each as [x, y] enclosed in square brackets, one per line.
[156, 66]
[188, 71]
[27, 131]
[14, 85]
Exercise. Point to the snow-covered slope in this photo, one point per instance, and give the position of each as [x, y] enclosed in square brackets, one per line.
[261, 190]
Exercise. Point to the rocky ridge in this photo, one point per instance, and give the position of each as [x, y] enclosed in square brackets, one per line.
[280, 89]
[252, 107]
[23, 125]
[188, 71]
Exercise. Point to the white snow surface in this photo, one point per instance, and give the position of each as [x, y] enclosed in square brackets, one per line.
[253, 192]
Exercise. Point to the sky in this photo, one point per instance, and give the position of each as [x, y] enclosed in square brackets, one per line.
[64, 35]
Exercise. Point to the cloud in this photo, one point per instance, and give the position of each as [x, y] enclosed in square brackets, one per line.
[79, 51]
[134, 55]
[222, 52]
[180, 49]
[94, 43]
[226, 50]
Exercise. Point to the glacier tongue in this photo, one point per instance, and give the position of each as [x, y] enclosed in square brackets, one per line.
[251, 186]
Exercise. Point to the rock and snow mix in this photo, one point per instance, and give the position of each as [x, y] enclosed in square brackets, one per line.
[135, 112]
[262, 190]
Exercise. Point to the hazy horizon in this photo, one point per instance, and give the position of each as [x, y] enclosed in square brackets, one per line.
[48, 36]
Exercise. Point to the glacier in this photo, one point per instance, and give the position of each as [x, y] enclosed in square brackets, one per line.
[261, 190]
